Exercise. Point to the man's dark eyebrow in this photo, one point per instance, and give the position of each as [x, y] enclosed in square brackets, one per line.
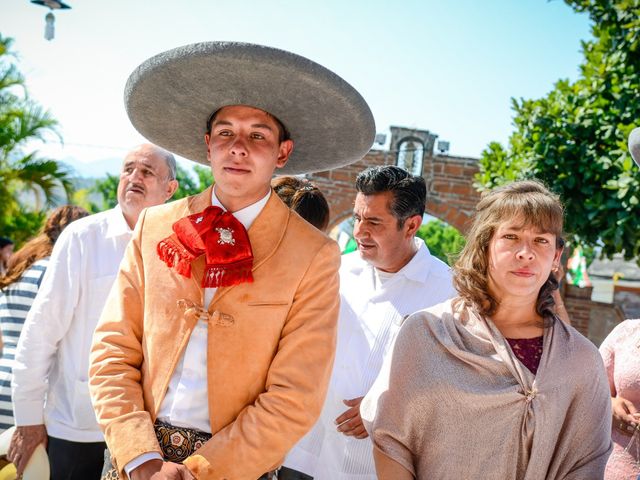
[375, 219]
[255, 125]
[261, 125]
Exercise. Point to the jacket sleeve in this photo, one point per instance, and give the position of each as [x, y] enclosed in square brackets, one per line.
[47, 322]
[116, 361]
[258, 439]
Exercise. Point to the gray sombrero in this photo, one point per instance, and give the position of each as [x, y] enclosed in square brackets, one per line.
[634, 145]
[170, 96]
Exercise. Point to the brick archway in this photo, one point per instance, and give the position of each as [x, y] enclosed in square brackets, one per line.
[450, 193]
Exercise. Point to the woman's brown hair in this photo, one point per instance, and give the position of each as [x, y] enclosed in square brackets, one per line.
[41, 246]
[532, 203]
[304, 198]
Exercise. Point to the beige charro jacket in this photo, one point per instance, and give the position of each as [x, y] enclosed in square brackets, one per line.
[271, 342]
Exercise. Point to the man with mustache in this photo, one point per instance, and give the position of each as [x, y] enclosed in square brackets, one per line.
[52, 357]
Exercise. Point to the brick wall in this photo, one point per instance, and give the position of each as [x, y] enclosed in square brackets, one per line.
[593, 319]
[450, 193]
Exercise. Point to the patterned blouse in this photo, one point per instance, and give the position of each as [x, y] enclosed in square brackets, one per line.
[528, 351]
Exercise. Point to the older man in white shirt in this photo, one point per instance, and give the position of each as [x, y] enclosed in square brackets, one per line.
[50, 391]
[390, 276]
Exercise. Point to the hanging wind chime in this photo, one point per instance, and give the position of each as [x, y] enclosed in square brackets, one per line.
[49, 19]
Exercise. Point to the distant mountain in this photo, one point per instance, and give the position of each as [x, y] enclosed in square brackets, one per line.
[83, 182]
[97, 169]
[30, 200]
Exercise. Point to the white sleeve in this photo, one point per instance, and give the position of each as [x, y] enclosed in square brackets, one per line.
[46, 324]
[136, 462]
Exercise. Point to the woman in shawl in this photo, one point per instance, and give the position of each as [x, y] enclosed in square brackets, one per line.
[491, 384]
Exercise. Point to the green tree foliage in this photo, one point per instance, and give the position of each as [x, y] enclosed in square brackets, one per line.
[24, 175]
[574, 139]
[82, 198]
[444, 241]
[205, 177]
[22, 225]
[108, 188]
[188, 185]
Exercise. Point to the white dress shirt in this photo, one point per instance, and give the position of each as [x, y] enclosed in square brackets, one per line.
[52, 357]
[373, 305]
[186, 403]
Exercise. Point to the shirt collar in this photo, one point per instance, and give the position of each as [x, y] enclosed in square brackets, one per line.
[247, 215]
[418, 267]
[116, 223]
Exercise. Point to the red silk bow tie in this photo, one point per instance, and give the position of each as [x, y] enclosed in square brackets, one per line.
[220, 237]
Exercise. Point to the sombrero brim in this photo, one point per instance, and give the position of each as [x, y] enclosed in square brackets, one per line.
[634, 145]
[170, 96]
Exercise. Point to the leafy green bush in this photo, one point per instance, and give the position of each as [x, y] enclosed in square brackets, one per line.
[444, 241]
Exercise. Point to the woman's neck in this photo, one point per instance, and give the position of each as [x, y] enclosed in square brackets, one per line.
[518, 320]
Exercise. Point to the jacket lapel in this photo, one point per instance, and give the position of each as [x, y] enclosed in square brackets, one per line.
[198, 203]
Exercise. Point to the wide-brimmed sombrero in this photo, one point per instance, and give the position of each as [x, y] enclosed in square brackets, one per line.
[36, 469]
[170, 96]
[634, 145]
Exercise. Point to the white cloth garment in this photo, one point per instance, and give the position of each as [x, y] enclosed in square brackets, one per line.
[186, 403]
[373, 306]
[50, 372]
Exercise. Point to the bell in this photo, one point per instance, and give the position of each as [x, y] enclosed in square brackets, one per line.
[49, 31]
[49, 18]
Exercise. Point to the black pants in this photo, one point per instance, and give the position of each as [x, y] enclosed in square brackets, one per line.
[75, 460]
[290, 474]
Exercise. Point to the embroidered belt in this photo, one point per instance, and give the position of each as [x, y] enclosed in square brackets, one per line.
[176, 443]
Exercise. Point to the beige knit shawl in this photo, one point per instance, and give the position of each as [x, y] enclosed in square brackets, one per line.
[454, 402]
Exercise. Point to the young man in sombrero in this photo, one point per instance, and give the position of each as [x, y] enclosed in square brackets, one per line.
[212, 356]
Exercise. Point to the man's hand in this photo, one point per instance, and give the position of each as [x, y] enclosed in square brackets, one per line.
[23, 443]
[159, 470]
[350, 423]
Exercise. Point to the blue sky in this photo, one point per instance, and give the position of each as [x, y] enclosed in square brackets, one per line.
[448, 67]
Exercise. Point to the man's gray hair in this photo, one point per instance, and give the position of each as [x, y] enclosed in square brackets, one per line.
[170, 160]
